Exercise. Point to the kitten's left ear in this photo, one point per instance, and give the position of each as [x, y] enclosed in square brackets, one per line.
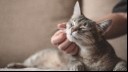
[105, 24]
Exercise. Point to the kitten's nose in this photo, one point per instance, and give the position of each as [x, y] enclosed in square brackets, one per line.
[75, 28]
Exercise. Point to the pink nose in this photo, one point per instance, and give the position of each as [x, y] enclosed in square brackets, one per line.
[75, 28]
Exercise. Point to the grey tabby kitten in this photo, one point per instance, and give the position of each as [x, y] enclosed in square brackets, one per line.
[95, 54]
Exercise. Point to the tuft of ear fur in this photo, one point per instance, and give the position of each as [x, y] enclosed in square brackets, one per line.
[105, 24]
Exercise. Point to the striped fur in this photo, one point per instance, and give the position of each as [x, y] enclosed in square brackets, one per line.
[95, 52]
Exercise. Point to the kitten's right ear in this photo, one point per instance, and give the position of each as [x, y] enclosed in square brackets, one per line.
[77, 10]
[105, 24]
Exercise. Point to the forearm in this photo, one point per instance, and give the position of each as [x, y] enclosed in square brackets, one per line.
[118, 26]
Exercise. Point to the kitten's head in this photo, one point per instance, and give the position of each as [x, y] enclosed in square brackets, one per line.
[83, 30]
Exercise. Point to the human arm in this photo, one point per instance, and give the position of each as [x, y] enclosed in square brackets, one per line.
[118, 26]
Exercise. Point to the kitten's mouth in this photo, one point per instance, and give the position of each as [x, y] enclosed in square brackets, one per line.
[73, 36]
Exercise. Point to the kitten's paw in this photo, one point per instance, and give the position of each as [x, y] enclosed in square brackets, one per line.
[78, 67]
[121, 66]
[16, 65]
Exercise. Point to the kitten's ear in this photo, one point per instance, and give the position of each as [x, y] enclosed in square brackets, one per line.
[104, 25]
[77, 10]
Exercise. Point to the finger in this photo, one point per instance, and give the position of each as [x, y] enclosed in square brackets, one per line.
[58, 38]
[64, 45]
[61, 26]
[75, 51]
[70, 48]
[58, 33]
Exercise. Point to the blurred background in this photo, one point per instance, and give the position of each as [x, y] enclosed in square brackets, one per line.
[26, 26]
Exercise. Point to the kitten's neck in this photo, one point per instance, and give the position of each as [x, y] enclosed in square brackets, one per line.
[95, 49]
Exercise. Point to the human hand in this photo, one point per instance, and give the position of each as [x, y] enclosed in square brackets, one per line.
[60, 40]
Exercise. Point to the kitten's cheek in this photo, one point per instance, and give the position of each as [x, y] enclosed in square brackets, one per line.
[75, 33]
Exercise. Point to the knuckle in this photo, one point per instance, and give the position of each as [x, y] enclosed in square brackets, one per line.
[75, 51]
[61, 47]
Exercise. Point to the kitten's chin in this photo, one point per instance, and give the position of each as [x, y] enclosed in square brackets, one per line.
[72, 37]
[69, 36]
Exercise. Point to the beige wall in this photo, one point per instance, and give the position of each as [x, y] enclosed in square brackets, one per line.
[27, 25]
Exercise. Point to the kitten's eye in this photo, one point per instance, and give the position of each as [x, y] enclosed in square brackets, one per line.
[79, 29]
[70, 25]
[82, 28]
[84, 24]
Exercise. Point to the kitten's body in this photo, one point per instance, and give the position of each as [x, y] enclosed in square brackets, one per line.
[95, 54]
